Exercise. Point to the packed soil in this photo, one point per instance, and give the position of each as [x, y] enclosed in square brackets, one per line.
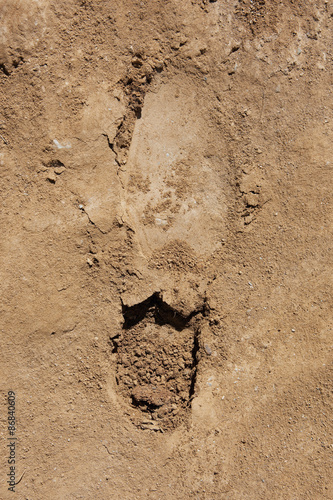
[166, 250]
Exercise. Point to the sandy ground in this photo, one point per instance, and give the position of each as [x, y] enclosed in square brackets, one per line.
[166, 250]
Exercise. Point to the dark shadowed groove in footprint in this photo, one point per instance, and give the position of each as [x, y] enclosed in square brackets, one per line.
[163, 313]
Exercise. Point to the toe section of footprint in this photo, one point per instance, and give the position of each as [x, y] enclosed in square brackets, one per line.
[157, 360]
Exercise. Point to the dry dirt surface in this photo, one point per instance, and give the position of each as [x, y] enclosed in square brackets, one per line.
[166, 249]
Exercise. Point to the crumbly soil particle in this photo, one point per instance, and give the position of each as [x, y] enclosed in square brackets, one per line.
[166, 215]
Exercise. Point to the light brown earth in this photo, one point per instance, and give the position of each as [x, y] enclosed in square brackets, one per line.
[166, 249]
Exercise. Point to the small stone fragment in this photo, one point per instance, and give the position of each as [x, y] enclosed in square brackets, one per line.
[59, 170]
[158, 65]
[151, 395]
[208, 349]
[137, 62]
[51, 177]
[252, 199]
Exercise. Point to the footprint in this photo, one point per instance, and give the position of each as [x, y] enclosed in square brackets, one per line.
[157, 360]
[174, 185]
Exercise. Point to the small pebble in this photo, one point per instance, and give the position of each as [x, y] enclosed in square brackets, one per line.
[208, 349]
[51, 177]
[59, 170]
